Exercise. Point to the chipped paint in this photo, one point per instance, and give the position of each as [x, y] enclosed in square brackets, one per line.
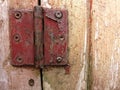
[97, 31]
[81, 84]
[105, 45]
[114, 67]
[47, 86]
[8, 77]
[4, 43]
[44, 3]
[77, 51]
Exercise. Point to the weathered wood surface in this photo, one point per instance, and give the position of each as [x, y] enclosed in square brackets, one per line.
[55, 78]
[105, 49]
[12, 78]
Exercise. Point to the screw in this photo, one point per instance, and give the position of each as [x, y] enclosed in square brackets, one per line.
[59, 59]
[18, 14]
[58, 14]
[31, 82]
[19, 59]
[62, 38]
[17, 37]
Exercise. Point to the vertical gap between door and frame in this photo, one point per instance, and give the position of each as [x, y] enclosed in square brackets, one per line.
[41, 70]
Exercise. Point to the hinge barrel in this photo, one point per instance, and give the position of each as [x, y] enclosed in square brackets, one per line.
[38, 26]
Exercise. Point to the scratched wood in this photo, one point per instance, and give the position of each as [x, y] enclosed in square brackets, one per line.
[105, 50]
[12, 78]
[55, 78]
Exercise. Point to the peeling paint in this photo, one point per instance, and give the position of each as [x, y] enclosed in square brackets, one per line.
[97, 31]
[9, 75]
[76, 80]
[81, 84]
[3, 76]
[47, 86]
[106, 45]
[1, 1]
[114, 67]
[4, 45]
[96, 59]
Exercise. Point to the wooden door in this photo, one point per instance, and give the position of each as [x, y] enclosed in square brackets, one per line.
[94, 49]
[105, 45]
[12, 78]
[55, 78]
[94, 46]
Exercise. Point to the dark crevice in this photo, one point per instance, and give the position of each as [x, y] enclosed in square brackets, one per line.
[39, 2]
[90, 53]
[41, 78]
[41, 70]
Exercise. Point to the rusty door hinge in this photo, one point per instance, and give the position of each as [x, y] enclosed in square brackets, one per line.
[39, 37]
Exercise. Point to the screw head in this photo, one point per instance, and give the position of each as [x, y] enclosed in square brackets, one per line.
[17, 37]
[19, 59]
[62, 38]
[58, 14]
[59, 59]
[18, 14]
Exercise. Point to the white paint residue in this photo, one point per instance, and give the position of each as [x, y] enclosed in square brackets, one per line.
[3, 76]
[114, 68]
[97, 31]
[82, 78]
[85, 41]
[106, 21]
[1, 1]
[4, 32]
[96, 59]
[4, 42]
[44, 3]
[81, 82]
[47, 86]
[81, 85]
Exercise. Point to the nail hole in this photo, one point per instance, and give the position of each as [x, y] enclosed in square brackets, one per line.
[31, 82]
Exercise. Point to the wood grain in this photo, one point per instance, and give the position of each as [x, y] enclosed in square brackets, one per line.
[55, 78]
[12, 78]
[105, 45]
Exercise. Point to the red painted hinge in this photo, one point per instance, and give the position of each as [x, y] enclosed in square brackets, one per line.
[39, 37]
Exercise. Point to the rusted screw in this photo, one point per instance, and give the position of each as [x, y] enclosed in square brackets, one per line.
[19, 59]
[31, 82]
[59, 59]
[17, 37]
[58, 14]
[18, 14]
